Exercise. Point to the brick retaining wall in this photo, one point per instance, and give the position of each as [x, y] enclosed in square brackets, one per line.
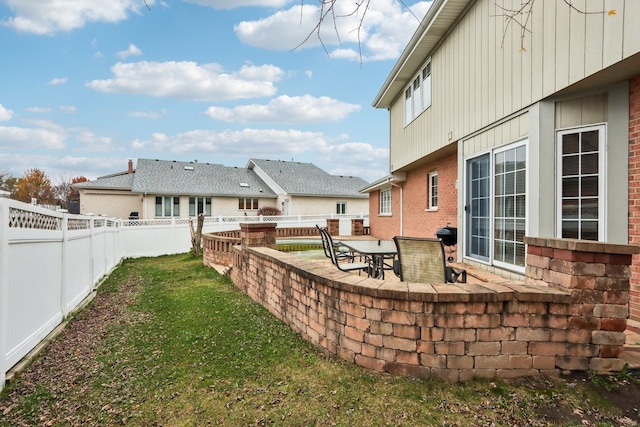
[498, 328]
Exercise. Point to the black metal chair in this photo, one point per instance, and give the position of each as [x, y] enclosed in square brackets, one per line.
[422, 260]
[331, 246]
[343, 266]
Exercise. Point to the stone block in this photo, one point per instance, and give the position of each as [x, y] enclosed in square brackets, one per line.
[599, 364]
[450, 348]
[460, 362]
[492, 362]
[400, 343]
[483, 348]
[611, 311]
[433, 360]
[608, 338]
[572, 363]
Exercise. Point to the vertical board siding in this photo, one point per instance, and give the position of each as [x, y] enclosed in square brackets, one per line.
[480, 75]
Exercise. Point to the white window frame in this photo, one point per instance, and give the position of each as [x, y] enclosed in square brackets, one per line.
[602, 150]
[341, 208]
[432, 191]
[491, 259]
[167, 203]
[417, 94]
[384, 206]
[207, 203]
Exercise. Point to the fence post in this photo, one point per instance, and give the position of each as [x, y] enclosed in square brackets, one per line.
[4, 273]
[63, 260]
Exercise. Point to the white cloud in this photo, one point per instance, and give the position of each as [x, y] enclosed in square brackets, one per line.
[242, 143]
[52, 16]
[5, 115]
[94, 143]
[132, 50]
[148, 114]
[58, 81]
[230, 4]
[12, 138]
[345, 157]
[189, 80]
[68, 109]
[286, 109]
[384, 32]
[39, 109]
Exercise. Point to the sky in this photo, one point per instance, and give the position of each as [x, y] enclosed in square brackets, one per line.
[86, 85]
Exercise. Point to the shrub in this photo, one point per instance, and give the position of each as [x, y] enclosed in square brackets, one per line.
[269, 211]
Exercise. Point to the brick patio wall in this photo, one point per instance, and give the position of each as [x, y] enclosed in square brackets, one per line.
[568, 315]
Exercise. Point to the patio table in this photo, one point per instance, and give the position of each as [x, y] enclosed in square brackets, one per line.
[377, 250]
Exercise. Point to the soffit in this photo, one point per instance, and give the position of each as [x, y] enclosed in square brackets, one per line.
[438, 21]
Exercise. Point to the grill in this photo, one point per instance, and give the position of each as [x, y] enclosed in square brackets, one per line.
[449, 237]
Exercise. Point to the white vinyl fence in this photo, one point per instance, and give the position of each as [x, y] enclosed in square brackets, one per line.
[51, 261]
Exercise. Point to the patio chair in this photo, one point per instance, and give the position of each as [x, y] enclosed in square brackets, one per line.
[343, 266]
[422, 260]
[335, 246]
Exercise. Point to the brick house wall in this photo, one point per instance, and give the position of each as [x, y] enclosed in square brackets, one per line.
[384, 226]
[634, 193]
[418, 220]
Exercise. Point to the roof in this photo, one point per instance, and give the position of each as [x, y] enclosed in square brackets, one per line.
[306, 179]
[197, 179]
[117, 181]
[435, 26]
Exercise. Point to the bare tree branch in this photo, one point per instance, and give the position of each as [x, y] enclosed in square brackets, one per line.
[521, 16]
[328, 13]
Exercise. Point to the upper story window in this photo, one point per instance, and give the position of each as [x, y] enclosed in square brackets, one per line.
[341, 208]
[417, 95]
[248, 204]
[167, 206]
[385, 202]
[433, 190]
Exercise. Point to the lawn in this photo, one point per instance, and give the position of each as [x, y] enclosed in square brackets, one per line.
[169, 342]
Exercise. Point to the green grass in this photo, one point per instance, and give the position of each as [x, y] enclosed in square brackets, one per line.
[186, 348]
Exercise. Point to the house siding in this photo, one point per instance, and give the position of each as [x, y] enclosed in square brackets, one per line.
[479, 74]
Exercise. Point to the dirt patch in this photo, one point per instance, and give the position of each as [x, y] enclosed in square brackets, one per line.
[69, 360]
[620, 391]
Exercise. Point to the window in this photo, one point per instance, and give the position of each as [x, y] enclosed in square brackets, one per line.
[199, 205]
[341, 208]
[496, 207]
[417, 96]
[433, 190]
[385, 202]
[167, 206]
[248, 204]
[581, 183]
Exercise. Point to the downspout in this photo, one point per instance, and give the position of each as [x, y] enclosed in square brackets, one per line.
[395, 178]
[401, 207]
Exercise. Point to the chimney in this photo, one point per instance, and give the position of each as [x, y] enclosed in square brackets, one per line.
[130, 170]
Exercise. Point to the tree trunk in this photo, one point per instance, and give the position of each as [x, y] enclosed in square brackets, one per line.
[196, 236]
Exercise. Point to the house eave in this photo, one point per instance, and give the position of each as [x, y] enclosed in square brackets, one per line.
[435, 26]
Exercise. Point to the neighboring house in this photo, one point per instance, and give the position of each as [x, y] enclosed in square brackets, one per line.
[504, 142]
[305, 189]
[161, 189]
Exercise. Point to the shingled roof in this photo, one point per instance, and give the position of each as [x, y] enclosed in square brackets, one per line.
[306, 179]
[261, 178]
[116, 181]
[197, 179]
